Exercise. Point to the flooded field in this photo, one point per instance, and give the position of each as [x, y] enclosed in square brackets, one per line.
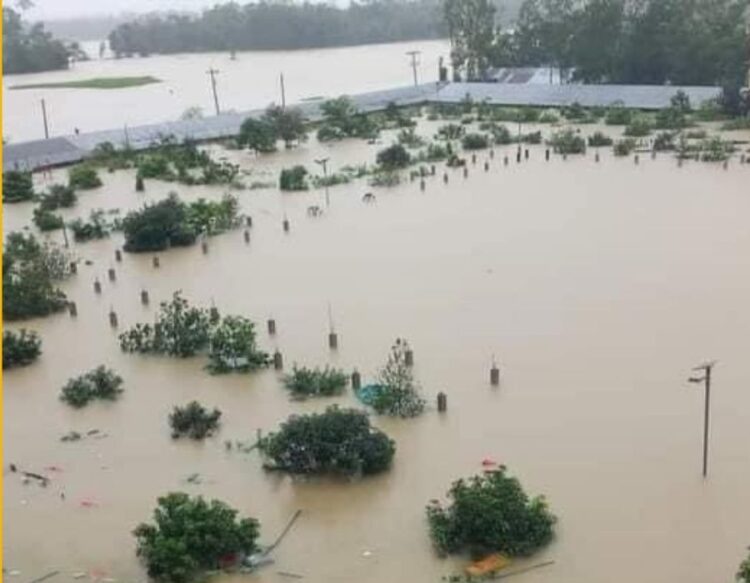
[249, 82]
[596, 286]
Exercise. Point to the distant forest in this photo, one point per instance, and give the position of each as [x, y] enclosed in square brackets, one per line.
[271, 25]
[30, 48]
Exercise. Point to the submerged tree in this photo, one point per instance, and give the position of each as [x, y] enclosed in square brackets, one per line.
[339, 441]
[30, 272]
[471, 27]
[190, 536]
[232, 347]
[398, 392]
[743, 575]
[20, 348]
[17, 186]
[99, 383]
[307, 382]
[83, 177]
[490, 513]
[194, 421]
[158, 226]
[259, 135]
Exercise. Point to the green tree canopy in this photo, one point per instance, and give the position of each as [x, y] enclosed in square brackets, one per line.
[189, 536]
[30, 48]
[490, 513]
[20, 348]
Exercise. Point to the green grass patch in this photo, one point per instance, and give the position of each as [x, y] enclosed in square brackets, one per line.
[95, 83]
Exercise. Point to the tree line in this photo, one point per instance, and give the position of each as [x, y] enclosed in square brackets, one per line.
[684, 42]
[29, 48]
[271, 25]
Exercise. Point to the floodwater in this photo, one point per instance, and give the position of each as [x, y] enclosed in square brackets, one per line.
[249, 82]
[596, 286]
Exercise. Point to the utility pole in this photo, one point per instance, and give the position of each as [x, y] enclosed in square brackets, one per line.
[414, 63]
[283, 91]
[324, 163]
[706, 380]
[212, 73]
[44, 116]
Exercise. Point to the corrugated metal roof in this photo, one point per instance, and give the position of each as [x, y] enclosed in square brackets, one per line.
[69, 149]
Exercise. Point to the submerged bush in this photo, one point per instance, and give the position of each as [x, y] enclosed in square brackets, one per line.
[451, 131]
[568, 142]
[83, 177]
[598, 139]
[96, 227]
[17, 186]
[393, 157]
[638, 128]
[157, 226]
[716, 150]
[624, 147]
[339, 441]
[743, 575]
[58, 196]
[475, 142]
[193, 421]
[46, 220]
[190, 536]
[490, 513]
[294, 178]
[232, 347]
[618, 116]
[306, 382]
[99, 383]
[20, 348]
[663, 142]
[398, 393]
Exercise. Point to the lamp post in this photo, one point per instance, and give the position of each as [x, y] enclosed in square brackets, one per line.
[324, 163]
[706, 380]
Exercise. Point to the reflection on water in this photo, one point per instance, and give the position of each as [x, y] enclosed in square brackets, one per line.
[250, 82]
[597, 286]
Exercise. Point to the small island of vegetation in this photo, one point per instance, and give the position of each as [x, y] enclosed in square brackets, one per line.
[94, 83]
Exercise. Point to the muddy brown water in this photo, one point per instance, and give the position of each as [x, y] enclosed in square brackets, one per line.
[596, 286]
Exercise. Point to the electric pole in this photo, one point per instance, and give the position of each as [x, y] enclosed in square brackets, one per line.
[324, 163]
[283, 91]
[706, 380]
[414, 63]
[44, 116]
[212, 73]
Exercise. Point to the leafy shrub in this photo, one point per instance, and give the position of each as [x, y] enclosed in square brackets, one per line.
[638, 127]
[46, 220]
[386, 178]
[393, 158]
[232, 347]
[501, 135]
[211, 218]
[99, 383]
[194, 421]
[20, 348]
[740, 123]
[341, 120]
[399, 392]
[743, 575]
[568, 142]
[307, 382]
[624, 147]
[83, 177]
[531, 138]
[671, 118]
[436, 152]
[258, 134]
[294, 178]
[598, 139]
[618, 116]
[409, 138]
[155, 165]
[17, 186]
[451, 131]
[716, 150]
[58, 196]
[158, 226]
[30, 271]
[190, 536]
[475, 142]
[96, 227]
[179, 330]
[490, 513]
[664, 141]
[339, 441]
[548, 117]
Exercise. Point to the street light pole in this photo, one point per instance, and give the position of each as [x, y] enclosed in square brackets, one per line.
[706, 380]
[324, 163]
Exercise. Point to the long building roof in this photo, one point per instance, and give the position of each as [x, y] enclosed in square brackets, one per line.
[56, 151]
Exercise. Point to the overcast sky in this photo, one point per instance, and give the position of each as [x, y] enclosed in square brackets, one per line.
[59, 9]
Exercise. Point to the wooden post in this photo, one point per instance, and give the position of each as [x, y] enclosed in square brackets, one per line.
[442, 402]
[73, 309]
[409, 357]
[118, 255]
[422, 185]
[494, 375]
[248, 221]
[492, 153]
[278, 361]
[247, 236]
[486, 166]
[285, 225]
[111, 273]
[204, 246]
[356, 380]
[433, 170]
[466, 172]
[596, 157]
[155, 262]
[505, 160]
[526, 154]
[272, 327]
[546, 155]
[473, 158]
[636, 159]
[97, 286]
[112, 319]
[73, 267]
[333, 340]
[144, 297]
[445, 178]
